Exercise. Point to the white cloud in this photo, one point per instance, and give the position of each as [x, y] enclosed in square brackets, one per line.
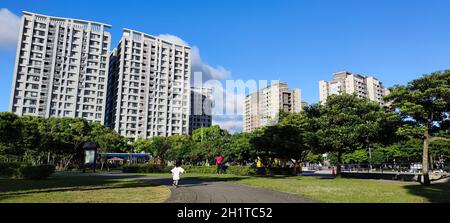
[173, 39]
[9, 29]
[232, 123]
[227, 109]
[208, 72]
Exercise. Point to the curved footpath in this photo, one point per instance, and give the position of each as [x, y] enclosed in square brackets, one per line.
[198, 191]
[223, 192]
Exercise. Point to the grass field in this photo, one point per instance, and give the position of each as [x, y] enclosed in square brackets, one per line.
[340, 189]
[72, 188]
[354, 190]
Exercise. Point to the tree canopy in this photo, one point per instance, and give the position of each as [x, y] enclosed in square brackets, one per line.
[424, 106]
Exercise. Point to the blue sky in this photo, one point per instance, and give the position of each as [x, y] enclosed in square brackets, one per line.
[297, 41]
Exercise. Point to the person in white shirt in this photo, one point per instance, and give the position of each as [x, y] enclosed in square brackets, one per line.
[176, 171]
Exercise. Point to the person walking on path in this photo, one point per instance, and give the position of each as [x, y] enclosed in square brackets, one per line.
[219, 164]
[176, 172]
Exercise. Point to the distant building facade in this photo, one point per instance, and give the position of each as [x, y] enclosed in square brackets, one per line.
[350, 83]
[261, 108]
[61, 68]
[149, 87]
[201, 105]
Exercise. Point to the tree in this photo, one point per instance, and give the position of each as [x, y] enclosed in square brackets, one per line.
[285, 141]
[180, 148]
[209, 142]
[298, 128]
[240, 149]
[159, 146]
[10, 133]
[424, 106]
[346, 123]
[68, 134]
[143, 145]
[33, 137]
[108, 139]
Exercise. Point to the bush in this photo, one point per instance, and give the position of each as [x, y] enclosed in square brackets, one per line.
[201, 169]
[39, 172]
[275, 171]
[146, 168]
[241, 170]
[11, 169]
[135, 168]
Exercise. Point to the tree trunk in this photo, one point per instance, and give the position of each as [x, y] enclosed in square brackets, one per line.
[425, 159]
[338, 165]
[300, 167]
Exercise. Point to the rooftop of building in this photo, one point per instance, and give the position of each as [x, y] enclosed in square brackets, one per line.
[138, 34]
[343, 74]
[71, 20]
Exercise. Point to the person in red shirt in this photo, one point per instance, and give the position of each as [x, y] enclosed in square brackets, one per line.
[219, 163]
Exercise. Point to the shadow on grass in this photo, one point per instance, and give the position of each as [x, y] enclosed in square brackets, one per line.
[435, 193]
[70, 182]
[208, 179]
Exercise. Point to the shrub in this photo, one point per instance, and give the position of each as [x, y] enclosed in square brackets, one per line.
[135, 168]
[241, 170]
[39, 172]
[280, 171]
[146, 168]
[11, 169]
[201, 169]
[275, 171]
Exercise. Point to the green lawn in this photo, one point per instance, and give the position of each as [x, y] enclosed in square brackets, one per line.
[73, 188]
[354, 190]
[340, 189]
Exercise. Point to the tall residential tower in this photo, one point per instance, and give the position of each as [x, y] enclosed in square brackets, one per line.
[201, 108]
[149, 87]
[346, 82]
[262, 107]
[61, 68]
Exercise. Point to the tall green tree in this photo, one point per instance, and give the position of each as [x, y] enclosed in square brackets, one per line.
[424, 106]
[10, 133]
[347, 123]
[299, 127]
[68, 135]
[209, 142]
[108, 139]
[159, 146]
[33, 138]
[240, 148]
[180, 148]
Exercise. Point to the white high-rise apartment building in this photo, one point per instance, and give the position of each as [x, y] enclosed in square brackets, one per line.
[262, 107]
[346, 82]
[149, 87]
[61, 68]
[201, 108]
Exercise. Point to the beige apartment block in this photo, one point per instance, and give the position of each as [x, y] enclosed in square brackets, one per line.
[350, 83]
[262, 108]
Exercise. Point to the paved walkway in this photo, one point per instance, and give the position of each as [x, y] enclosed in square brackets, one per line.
[223, 192]
[198, 191]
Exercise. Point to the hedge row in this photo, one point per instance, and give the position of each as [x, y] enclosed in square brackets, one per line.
[236, 170]
[26, 171]
[145, 168]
